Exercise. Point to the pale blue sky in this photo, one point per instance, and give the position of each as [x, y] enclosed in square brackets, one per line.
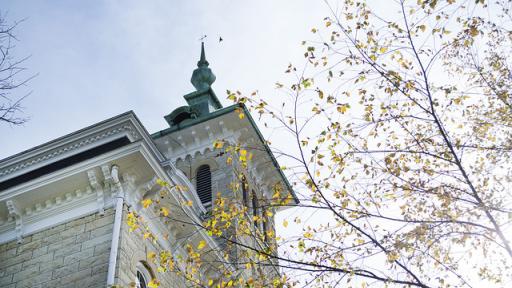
[97, 59]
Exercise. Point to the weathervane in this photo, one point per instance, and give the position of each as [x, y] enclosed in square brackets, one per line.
[204, 37]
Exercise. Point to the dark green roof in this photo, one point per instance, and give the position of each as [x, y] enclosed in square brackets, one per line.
[223, 111]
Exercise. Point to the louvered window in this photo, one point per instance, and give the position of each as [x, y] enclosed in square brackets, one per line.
[204, 185]
[143, 275]
[255, 209]
[141, 281]
[244, 191]
[264, 222]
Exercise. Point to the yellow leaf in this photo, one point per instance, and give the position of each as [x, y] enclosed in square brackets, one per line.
[151, 256]
[320, 94]
[218, 144]
[243, 152]
[342, 108]
[131, 220]
[422, 28]
[146, 202]
[189, 203]
[210, 282]
[474, 31]
[201, 245]
[161, 182]
[308, 235]
[241, 115]
[328, 23]
[164, 211]
[393, 256]
[153, 283]
[285, 223]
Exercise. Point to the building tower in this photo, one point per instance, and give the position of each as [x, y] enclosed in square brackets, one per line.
[65, 205]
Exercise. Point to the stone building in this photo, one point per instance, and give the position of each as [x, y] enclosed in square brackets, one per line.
[63, 204]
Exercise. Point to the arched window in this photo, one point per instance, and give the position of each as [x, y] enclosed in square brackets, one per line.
[264, 222]
[143, 276]
[255, 208]
[204, 184]
[141, 280]
[245, 196]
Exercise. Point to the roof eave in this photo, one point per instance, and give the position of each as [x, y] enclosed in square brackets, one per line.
[224, 111]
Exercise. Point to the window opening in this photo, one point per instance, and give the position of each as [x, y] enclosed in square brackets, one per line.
[204, 185]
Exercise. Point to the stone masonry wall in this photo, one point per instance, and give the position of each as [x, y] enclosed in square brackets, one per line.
[133, 248]
[74, 254]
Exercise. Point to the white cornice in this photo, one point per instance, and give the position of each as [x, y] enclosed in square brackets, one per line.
[68, 171]
[61, 209]
[123, 125]
[83, 201]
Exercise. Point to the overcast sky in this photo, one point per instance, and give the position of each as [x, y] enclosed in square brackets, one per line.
[97, 59]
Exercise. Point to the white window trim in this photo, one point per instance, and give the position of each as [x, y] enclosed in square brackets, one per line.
[146, 274]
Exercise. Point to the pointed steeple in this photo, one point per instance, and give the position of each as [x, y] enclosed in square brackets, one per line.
[202, 77]
[201, 102]
[202, 62]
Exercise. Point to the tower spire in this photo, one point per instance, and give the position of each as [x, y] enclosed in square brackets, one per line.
[202, 77]
[201, 102]
[202, 61]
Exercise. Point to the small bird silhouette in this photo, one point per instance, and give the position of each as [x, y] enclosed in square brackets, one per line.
[220, 39]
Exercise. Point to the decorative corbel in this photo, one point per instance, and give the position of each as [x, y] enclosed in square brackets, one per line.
[142, 190]
[96, 187]
[225, 130]
[151, 183]
[107, 183]
[237, 136]
[181, 141]
[129, 187]
[210, 134]
[15, 213]
[197, 141]
[170, 152]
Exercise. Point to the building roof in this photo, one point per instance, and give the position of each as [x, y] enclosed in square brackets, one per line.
[220, 113]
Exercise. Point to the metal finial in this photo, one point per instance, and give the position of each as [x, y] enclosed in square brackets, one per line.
[203, 77]
[202, 60]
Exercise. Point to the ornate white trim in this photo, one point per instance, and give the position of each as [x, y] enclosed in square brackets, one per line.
[48, 216]
[48, 155]
[15, 213]
[96, 187]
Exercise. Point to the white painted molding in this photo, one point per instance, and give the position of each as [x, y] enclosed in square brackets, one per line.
[69, 171]
[75, 147]
[15, 213]
[54, 211]
[98, 190]
[51, 218]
